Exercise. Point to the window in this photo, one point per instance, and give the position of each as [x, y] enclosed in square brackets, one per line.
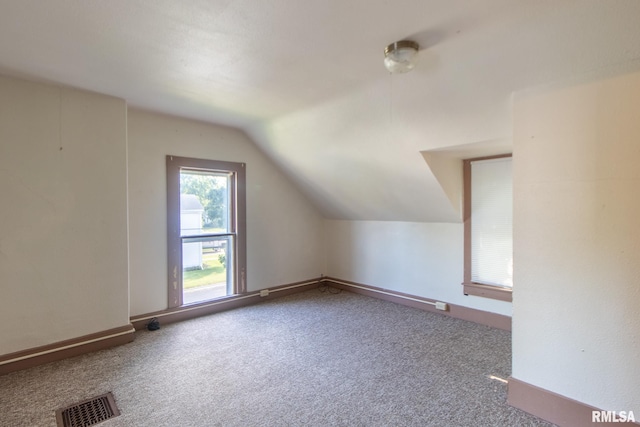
[488, 225]
[205, 229]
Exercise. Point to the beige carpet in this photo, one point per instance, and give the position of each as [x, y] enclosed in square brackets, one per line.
[310, 359]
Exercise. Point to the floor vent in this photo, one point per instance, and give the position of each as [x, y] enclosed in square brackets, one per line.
[88, 413]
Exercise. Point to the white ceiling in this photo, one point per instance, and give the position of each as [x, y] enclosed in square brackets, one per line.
[306, 81]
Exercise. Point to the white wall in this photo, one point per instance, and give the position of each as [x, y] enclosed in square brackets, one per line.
[63, 220]
[576, 316]
[423, 259]
[284, 232]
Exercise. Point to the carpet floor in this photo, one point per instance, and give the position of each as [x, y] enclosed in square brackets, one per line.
[309, 359]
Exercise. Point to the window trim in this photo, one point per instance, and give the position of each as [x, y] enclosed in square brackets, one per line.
[470, 287]
[174, 241]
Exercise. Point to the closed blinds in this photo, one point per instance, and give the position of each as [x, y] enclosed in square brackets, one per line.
[492, 222]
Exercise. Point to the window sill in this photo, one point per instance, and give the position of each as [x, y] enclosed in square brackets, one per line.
[487, 291]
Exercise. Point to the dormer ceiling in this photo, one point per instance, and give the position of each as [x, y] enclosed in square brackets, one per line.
[306, 80]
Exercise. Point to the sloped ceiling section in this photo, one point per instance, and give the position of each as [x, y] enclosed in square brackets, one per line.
[305, 79]
[354, 169]
[446, 166]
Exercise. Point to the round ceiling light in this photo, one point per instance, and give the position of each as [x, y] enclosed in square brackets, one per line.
[400, 57]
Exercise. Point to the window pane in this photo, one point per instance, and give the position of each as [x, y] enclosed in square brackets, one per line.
[206, 269]
[204, 202]
[491, 222]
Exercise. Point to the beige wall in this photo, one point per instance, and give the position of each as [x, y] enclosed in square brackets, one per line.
[576, 317]
[63, 220]
[284, 232]
[423, 259]
[64, 253]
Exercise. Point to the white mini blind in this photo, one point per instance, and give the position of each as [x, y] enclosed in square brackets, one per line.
[492, 222]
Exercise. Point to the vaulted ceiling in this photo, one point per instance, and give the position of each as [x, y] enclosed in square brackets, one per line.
[306, 81]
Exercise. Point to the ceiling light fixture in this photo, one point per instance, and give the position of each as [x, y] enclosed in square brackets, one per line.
[400, 57]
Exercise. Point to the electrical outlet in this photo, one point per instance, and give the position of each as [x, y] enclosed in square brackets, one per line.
[264, 292]
[442, 306]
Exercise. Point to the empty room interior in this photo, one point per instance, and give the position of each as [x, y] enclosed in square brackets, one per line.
[163, 163]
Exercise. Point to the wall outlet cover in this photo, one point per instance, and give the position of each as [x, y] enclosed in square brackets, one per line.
[442, 306]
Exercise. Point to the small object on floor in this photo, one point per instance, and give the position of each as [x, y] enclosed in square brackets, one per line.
[153, 324]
